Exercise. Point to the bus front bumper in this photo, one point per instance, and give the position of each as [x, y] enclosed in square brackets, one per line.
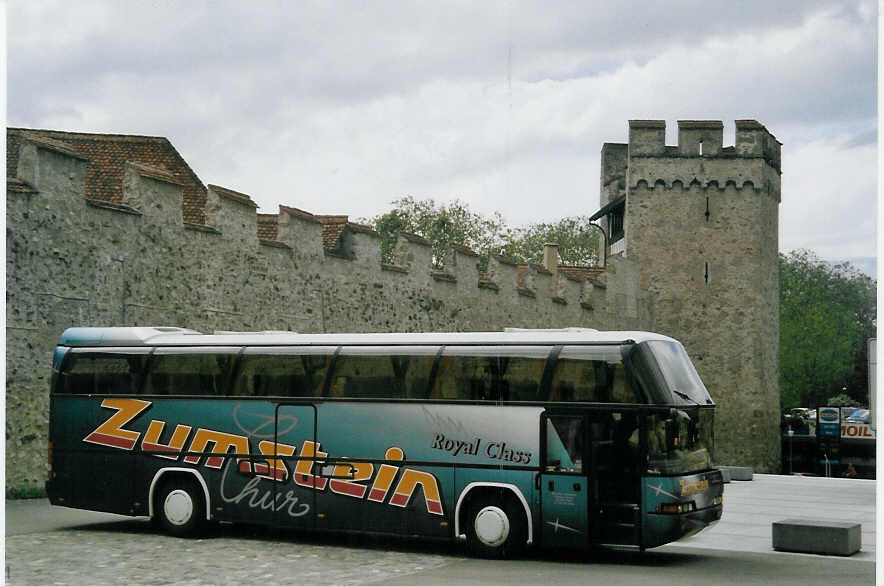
[661, 528]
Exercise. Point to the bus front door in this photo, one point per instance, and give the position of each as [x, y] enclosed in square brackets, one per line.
[564, 490]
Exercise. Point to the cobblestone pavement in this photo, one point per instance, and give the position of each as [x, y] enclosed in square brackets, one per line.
[133, 552]
[53, 545]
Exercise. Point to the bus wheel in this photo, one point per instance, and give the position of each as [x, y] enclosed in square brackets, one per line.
[495, 528]
[180, 507]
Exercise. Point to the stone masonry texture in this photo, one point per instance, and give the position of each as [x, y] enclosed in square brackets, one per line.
[703, 230]
[164, 249]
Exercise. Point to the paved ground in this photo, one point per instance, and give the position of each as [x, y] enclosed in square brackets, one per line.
[750, 508]
[52, 545]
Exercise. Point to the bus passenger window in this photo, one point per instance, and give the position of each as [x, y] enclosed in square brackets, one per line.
[382, 372]
[479, 373]
[589, 374]
[102, 373]
[282, 371]
[622, 391]
[189, 372]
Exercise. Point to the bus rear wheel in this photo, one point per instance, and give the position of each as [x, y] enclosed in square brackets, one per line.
[180, 507]
[496, 527]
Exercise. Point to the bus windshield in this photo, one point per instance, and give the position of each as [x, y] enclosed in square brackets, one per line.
[668, 375]
[681, 442]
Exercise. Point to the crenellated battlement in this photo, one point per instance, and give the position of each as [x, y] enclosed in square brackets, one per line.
[701, 139]
[152, 215]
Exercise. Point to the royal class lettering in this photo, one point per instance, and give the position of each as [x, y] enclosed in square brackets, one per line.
[210, 447]
[500, 451]
[455, 446]
[473, 447]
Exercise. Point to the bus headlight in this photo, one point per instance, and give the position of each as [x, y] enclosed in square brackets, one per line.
[676, 508]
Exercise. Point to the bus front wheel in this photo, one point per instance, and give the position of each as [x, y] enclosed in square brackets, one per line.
[496, 527]
[180, 507]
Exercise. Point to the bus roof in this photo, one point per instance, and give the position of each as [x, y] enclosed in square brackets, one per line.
[167, 336]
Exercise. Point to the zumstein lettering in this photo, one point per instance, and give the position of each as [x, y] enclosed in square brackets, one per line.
[275, 468]
[111, 432]
[407, 485]
[151, 441]
[385, 476]
[363, 472]
[222, 443]
[304, 468]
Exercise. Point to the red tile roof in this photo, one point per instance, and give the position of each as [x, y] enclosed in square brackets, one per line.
[233, 195]
[268, 226]
[108, 154]
[332, 228]
[581, 273]
[299, 213]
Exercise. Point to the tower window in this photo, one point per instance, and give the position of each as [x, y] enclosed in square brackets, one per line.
[616, 219]
[700, 145]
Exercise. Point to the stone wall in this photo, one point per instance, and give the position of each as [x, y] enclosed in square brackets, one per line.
[75, 261]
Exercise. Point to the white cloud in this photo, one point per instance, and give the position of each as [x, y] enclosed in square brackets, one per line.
[829, 197]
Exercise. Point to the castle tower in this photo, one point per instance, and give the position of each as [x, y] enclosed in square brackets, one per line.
[701, 222]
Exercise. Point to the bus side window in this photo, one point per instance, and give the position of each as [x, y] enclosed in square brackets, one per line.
[360, 376]
[417, 376]
[102, 373]
[479, 373]
[282, 372]
[622, 391]
[589, 374]
[189, 373]
[564, 444]
[522, 378]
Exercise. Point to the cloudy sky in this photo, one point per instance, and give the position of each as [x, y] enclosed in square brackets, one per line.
[341, 107]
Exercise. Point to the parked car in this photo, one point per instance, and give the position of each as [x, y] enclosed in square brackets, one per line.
[858, 416]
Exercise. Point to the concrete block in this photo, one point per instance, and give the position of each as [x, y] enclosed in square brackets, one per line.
[725, 475]
[737, 472]
[817, 536]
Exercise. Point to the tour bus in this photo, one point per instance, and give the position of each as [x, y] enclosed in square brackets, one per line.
[554, 438]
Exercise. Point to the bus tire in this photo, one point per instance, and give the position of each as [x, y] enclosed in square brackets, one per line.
[180, 507]
[496, 527]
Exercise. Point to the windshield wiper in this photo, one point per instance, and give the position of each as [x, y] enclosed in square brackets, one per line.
[685, 396]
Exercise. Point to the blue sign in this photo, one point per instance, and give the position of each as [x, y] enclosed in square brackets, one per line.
[829, 423]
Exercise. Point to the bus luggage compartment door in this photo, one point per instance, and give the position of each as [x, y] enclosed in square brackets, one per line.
[563, 484]
[270, 486]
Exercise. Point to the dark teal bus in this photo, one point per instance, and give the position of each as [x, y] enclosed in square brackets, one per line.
[553, 438]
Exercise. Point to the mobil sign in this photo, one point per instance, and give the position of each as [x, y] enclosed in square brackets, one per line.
[851, 430]
[828, 422]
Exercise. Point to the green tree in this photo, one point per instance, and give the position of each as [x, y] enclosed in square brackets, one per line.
[842, 400]
[455, 223]
[826, 315]
[576, 236]
[441, 224]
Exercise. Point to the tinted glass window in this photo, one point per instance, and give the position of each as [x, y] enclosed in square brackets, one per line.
[564, 444]
[108, 372]
[591, 374]
[679, 373]
[189, 371]
[485, 373]
[286, 372]
[382, 372]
